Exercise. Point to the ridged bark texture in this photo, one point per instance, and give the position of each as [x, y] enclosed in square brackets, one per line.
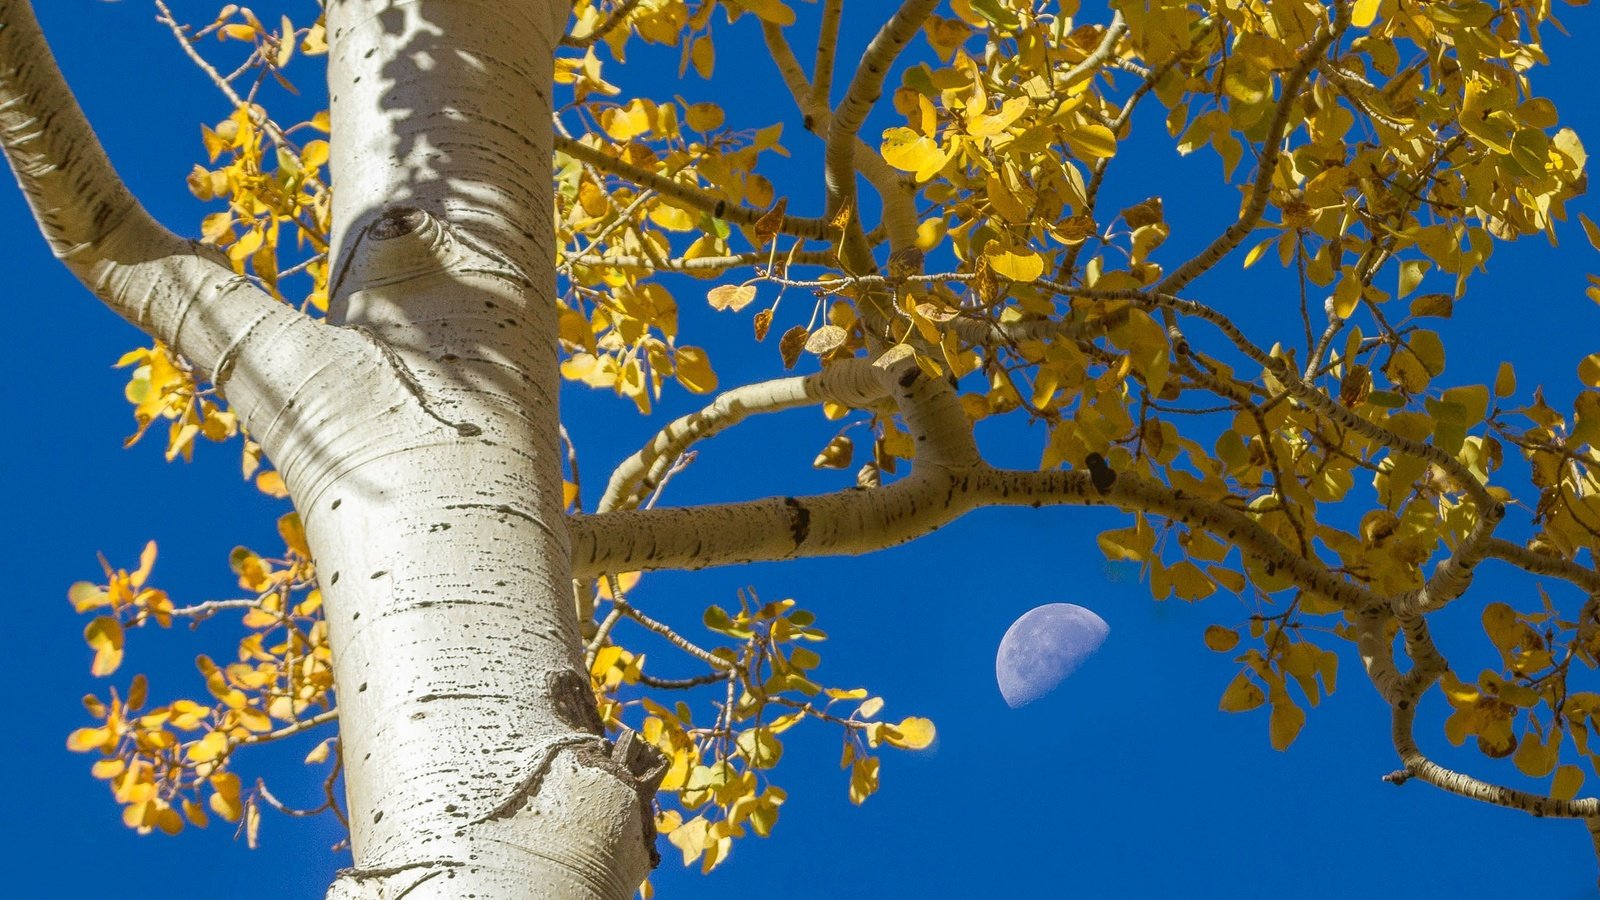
[426, 467]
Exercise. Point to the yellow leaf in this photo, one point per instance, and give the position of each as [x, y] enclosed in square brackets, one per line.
[1092, 140]
[1287, 719]
[731, 296]
[293, 534]
[1346, 296]
[319, 753]
[1363, 13]
[836, 455]
[208, 748]
[104, 636]
[1505, 381]
[909, 151]
[271, 484]
[1221, 639]
[1566, 783]
[774, 11]
[86, 596]
[1242, 695]
[863, 779]
[314, 154]
[760, 747]
[912, 733]
[623, 123]
[1019, 264]
[693, 369]
[86, 739]
[703, 117]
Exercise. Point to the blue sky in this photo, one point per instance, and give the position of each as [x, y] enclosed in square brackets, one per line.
[1124, 782]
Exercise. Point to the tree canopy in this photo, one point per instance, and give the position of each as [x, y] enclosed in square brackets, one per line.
[1295, 436]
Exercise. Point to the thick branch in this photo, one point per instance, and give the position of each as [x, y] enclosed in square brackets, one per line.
[862, 521]
[172, 289]
[852, 382]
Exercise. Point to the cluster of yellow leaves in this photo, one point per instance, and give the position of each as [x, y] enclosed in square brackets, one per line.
[718, 773]
[169, 764]
[266, 193]
[162, 386]
[1284, 655]
[1528, 710]
[618, 329]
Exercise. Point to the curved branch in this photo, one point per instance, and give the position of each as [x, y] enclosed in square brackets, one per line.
[852, 382]
[1418, 765]
[1453, 575]
[897, 193]
[175, 290]
[1539, 564]
[865, 88]
[861, 521]
[667, 186]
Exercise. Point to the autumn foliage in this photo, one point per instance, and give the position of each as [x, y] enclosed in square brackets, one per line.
[1334, 478]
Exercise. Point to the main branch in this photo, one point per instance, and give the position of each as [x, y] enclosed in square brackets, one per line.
[173, 289]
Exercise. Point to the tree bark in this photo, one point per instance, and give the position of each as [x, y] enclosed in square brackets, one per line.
[417, 431]
[434, 507]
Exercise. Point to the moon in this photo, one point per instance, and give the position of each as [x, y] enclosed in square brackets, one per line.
[1044, 646]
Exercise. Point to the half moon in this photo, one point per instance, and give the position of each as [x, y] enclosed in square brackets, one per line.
[1044, 646]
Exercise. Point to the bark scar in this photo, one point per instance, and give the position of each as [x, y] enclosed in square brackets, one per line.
[799, 520]
[529, 786]
[409, 380]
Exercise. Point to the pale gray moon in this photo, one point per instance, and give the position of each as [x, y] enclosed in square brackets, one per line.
[1044, 646]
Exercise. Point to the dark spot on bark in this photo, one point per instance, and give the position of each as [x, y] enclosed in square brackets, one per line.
[418, 716]
[572, 700]
[334, 578]
[808, 122]
[362, 689]
[355, 617]
[335, 504]
[910, 377]
[450, 807]
[1100, 473]
[718, 210]
[377, 817]
[467, 429]
[439, 526]
[380, 573]
[799, 520]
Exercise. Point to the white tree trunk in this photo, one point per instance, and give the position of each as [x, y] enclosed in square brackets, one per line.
[425, 463]
[417, 431]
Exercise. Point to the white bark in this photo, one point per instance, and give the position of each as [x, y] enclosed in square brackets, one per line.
[434, 506]
[419, 441]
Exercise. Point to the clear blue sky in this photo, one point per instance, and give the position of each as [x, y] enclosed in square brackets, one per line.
[1126, 782]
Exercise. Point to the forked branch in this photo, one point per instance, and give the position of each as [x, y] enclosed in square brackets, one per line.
[175, 290]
